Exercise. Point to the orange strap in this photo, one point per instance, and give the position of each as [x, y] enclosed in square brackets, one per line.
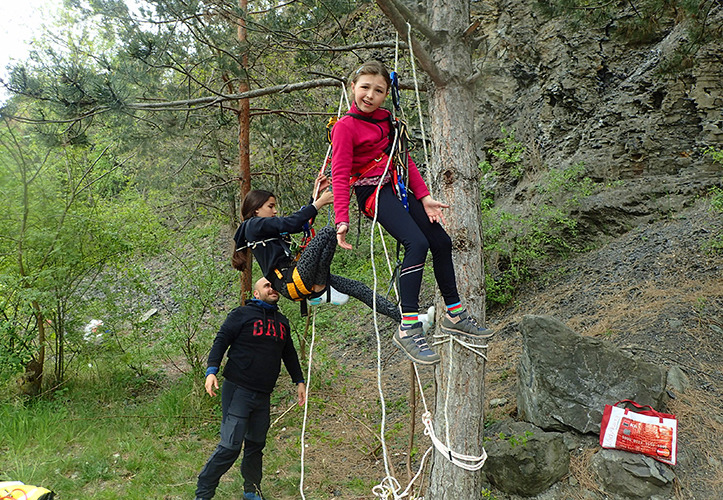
[369, 166]
[297, 289]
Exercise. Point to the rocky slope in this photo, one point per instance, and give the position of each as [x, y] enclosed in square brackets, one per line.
[582, 94]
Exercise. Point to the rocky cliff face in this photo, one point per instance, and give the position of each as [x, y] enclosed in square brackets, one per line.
[581, 94]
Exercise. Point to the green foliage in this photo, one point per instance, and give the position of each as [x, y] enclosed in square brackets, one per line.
[716, 198]
[488, 494]
[68, 213]
[716, 154]
[513, 439]
[514, 244]
[510, 154]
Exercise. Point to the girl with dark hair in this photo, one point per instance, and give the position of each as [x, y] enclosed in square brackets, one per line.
[266, 236]
[360, 140]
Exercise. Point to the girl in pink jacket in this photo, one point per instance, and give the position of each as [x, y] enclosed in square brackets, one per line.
[359, 141]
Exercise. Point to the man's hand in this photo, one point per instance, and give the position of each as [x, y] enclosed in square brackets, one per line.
[211, 384]
[301, 393]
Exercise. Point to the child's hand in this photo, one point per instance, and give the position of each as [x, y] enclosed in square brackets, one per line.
[433, 208]
[324, 199]
[321, 183]
[341, 231]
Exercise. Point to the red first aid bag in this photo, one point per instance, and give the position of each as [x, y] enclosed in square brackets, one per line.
[643, 431]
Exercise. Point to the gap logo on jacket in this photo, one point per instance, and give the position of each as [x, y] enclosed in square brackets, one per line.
[270, 329]
[255, 338]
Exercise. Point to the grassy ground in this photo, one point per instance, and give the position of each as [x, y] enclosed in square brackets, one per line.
[108, 434]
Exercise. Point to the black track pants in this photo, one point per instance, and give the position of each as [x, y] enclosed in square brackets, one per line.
[418, 235]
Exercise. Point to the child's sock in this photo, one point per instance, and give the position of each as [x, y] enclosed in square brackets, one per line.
[409, 320]
[455, 309]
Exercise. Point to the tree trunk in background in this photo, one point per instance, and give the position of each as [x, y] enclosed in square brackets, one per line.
[455, 171]
[447, 58]
[244, 108]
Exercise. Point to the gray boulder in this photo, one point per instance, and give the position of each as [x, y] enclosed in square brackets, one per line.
[523, 459]
[565, 380]
[627, 475]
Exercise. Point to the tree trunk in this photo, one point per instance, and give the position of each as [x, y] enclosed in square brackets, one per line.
[447, 58]
[455, 173]
[244, 109]
[455, 170]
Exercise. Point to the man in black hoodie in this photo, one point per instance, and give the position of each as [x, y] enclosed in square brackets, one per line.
[257, 337]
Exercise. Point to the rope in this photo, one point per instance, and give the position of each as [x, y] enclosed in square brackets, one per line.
[306, 401]
[389, 487]
[389, 483]
[419, 104]
[342, 100]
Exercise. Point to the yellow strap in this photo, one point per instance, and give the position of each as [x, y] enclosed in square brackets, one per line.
[300, 284]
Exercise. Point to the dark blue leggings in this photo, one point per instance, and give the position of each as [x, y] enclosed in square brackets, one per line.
[414, 231]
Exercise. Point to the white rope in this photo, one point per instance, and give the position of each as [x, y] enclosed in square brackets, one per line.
[387, 483]
[343, 99]
[306, 400]
[419, 103]
[467, 462]
[388, 488]
[463, 343]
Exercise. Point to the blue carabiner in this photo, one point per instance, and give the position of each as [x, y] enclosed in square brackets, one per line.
[396, 96]
[403, 194]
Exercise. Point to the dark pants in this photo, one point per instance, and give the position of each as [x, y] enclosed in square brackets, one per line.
[246, 420]
[417, 235]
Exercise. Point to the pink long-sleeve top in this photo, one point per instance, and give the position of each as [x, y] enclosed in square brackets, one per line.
[355, 143]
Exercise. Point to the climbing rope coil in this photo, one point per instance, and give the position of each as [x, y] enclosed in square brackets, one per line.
[389, 487]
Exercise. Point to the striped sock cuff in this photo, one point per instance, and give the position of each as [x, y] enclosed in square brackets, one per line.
[409, 319]
[455, 309]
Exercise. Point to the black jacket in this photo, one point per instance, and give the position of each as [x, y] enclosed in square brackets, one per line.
[257, 339]
[274, 253]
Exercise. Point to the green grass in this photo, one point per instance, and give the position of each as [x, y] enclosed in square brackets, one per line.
[102, 438]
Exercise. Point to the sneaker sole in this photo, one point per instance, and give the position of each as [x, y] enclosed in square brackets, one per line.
[418, 361]
[451, 331]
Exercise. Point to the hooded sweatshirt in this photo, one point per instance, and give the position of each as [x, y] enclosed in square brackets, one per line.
[356, 143]
[257, 337]
[273, 253]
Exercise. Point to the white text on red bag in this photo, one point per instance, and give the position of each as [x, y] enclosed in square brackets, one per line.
[648, 432]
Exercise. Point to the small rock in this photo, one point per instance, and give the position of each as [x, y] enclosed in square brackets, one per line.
[677, 380]
[494, 403]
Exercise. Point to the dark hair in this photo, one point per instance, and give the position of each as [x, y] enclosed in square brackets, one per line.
[372, 67]
[254, 200]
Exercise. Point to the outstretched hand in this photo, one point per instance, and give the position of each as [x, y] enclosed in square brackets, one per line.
[341, 237]
[321, 183]
[433, 208]
[325, 198]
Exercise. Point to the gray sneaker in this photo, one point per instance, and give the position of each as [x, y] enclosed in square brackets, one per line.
[466, 325]
[414, 345]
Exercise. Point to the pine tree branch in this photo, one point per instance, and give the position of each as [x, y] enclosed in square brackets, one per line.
[398, 10]
[390, 8]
